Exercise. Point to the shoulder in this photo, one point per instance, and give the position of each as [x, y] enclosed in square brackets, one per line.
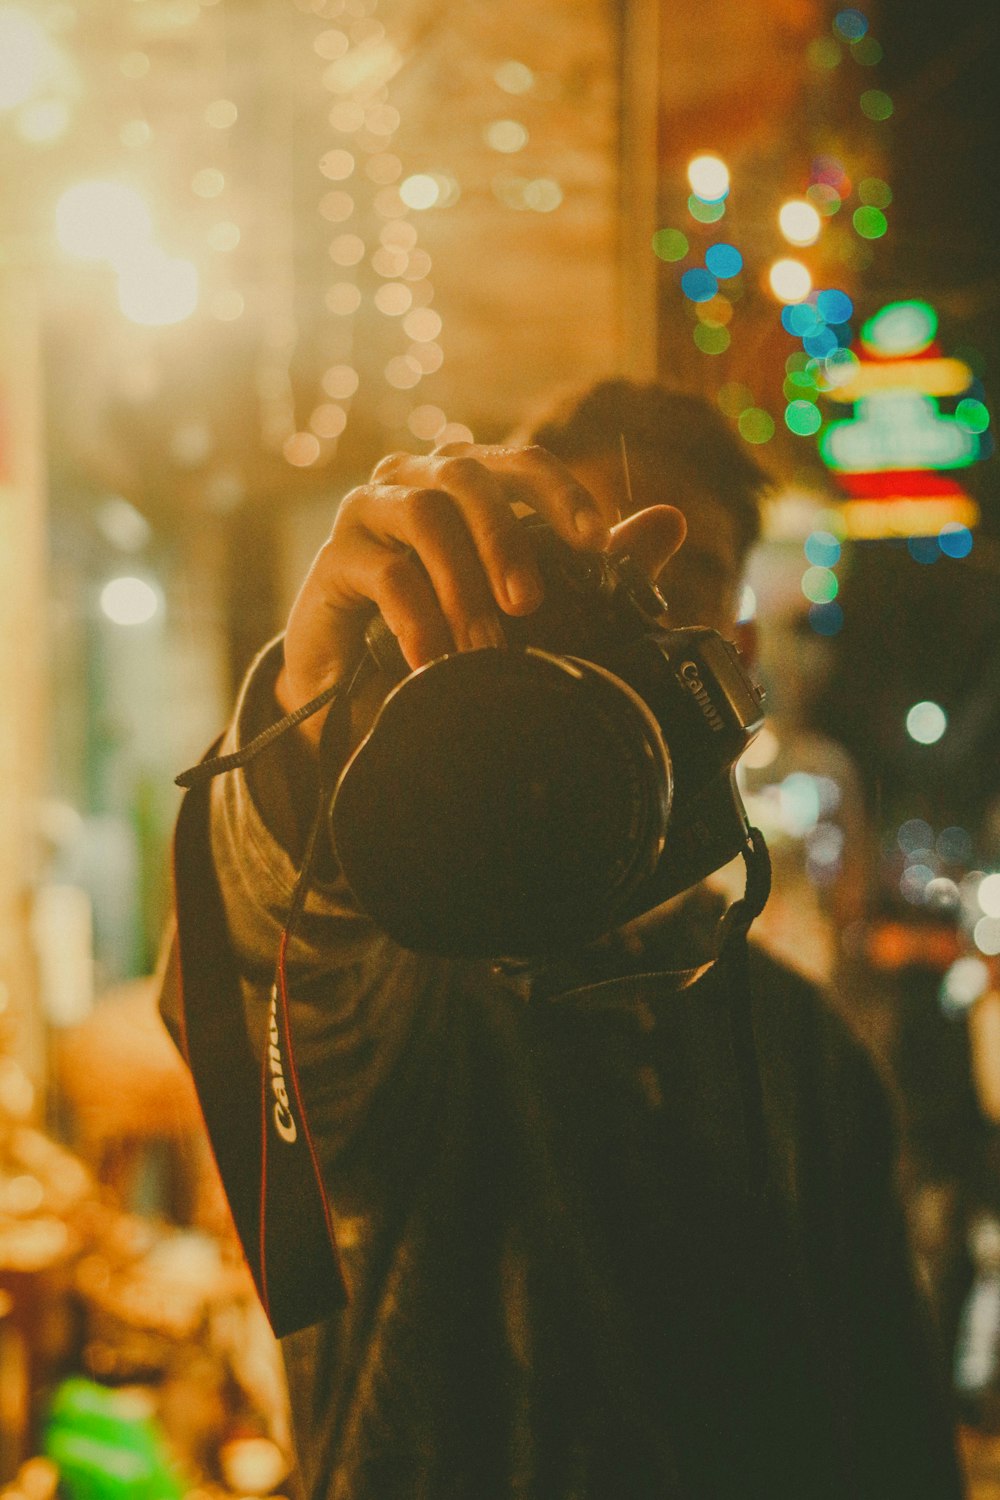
[810, 1058]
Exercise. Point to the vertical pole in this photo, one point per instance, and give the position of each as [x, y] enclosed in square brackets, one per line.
[639, 184]
[22, 657]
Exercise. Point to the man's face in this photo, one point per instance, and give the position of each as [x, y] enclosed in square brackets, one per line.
[701, 582]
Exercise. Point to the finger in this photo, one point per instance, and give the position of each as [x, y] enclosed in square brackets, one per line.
[487, 484]
[362, 569]
[650, 537]
[431, 523]
[544, 482]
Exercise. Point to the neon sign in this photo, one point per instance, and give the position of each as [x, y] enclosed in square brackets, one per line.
[895, 455]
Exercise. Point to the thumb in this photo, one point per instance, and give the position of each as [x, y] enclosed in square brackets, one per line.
[650, 537]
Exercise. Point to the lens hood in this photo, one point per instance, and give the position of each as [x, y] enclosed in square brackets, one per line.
[504, 803]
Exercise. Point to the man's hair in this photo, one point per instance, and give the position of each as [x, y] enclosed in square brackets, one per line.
[675, 429]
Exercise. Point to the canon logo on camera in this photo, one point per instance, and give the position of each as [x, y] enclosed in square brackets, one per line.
[688, 675]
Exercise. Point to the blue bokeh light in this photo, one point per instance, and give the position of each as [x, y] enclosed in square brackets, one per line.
[823, 549]
[826, 619]
[924, 549]
[724, 261]
[955, 540]
[834, 305]
[699, 285]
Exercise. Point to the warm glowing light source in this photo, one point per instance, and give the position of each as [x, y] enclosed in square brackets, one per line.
[129, 601]
[709, 177]
[926, 722]
[790, 280]
[24, 54]
[420, 191]
[102, 220]
[155, 290]
[799, 222]
[988, 895]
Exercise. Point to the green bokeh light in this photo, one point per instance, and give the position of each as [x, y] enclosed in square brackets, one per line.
[711, 338]
[824, 53]
[820, 585]
[802, 418]
[870, 223]
[875, 192]
[867, 51]
[670, 244]
[824, 198]
[876, 104]
[756, 425]
[734, 398]
[706, 213]
[972, 415]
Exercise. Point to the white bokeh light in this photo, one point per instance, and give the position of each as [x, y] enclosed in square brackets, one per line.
[709, 177]
[155, 290]
[988, 895]
[129, 601]
[103, 220]
[799, 222]
[926, 722]
[790, 281]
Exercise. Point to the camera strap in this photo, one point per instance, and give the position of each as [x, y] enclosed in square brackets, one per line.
[732, 948]
[252, 1105]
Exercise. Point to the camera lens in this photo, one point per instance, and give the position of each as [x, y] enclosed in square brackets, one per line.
[504, 803]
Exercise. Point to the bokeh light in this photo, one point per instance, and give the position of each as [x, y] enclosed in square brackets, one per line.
[25, 55]
[699, 285]
[835, 306]
[900, 328]
[670, 244]
[870, 223]
[724, 261]
[790, 280]
[988, 895]
[734, 398]
[711, 339]
[926, 722]
[876, 104]
[800, 222]
[708, 176]
[420, 191]
[954, 539]
[802, 417]
[851, 24]
[102, 220]
[820, 585]
[826, 618]
[972, 415]
[156, 290]
[873, 191]
[822, 549]
[756, 425]
[706, 213]
[129, 601]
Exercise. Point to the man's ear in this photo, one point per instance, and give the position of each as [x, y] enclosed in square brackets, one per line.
[747, 638]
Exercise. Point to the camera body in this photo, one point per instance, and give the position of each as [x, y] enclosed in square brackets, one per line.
[515, 802]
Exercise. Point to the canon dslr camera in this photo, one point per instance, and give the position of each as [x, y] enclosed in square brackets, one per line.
[515, 802]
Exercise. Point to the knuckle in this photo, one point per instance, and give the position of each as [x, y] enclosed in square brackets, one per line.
[387, 468]
[427, 507]
[536, 454]
[460, 469]
[451, 450]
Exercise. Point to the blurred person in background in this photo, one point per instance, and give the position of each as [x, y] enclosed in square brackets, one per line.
[562, 1282]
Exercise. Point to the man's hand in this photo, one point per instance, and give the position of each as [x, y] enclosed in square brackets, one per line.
[432, 542]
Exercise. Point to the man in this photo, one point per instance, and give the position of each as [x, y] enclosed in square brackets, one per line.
[566, 1277]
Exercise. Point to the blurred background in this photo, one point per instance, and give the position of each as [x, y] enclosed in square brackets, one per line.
[249, 246]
